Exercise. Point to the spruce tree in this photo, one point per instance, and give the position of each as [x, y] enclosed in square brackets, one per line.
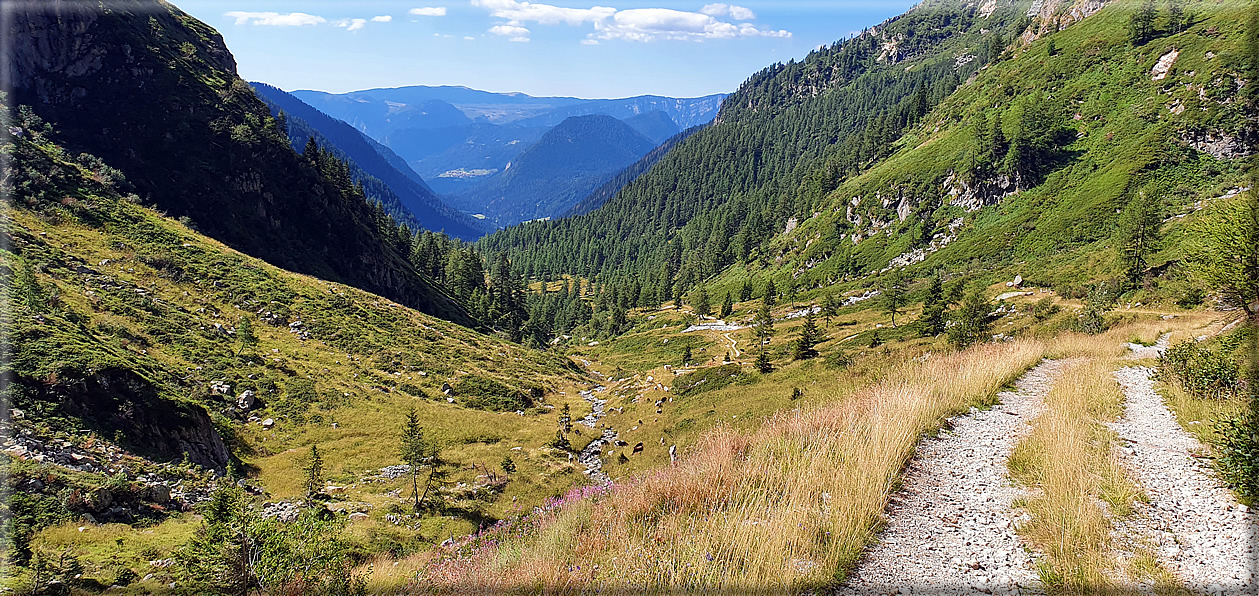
[727, 306]
[809, 337]
[745, 291]
[934, 308]
[413, 450]
[700, 302]
[686, 356]
[892, 288]
[313, 482]
[830, 308]
[763, 365]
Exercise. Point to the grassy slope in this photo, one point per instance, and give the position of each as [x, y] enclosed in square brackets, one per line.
[1058, 233]
[142, 292]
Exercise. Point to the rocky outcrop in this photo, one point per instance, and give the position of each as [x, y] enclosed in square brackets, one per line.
[119, 402]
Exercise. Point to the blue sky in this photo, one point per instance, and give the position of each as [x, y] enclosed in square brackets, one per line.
[591, 49]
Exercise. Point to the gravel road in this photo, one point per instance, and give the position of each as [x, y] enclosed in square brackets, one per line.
[1193, 525]
[951, 530]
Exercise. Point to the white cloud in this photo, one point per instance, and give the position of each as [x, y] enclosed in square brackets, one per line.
[275, 19]
[351, 24]
[429, 11]
[737, 13]
[469, 38]
[650, 24]
[518, 13]
[589, 42]
[382, 19]
[516, 33]
[638, 24]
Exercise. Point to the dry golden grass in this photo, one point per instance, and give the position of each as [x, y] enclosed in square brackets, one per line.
[787, 506]
[1078, 482]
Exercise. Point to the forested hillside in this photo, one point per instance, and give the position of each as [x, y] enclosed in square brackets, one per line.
[958, 135]
[384, 176]
[780, 143]
[156, 91]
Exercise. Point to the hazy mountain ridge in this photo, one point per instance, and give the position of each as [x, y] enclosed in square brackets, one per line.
[568, 162]
[376, 167]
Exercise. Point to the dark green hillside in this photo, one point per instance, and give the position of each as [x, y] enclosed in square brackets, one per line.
[154, 92]
[781, 142]
[601, 195]
[569, 161]
[384, 176]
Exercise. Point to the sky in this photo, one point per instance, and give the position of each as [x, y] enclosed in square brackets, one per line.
[574, 48]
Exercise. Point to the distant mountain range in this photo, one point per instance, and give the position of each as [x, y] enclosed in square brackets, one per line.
[458, 139]
[385, 177]
[565, 165]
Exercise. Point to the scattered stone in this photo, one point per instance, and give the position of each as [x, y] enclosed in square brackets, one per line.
[246, 400]
[268, 423]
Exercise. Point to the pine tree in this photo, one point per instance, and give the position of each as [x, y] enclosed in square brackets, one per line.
[764, 324]
[700, 303]
[414, 452]
[971, 321]
[770, 296]
[1138, 235]
[745, 291]
[830, 308]
[892, 287]
[313, 482]
[727, 306]
[686, 356]
[1176, 18]
[508, 466]
[1141, 23]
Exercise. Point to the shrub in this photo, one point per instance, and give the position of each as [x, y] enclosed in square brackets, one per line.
[1201, 372]
[1045, 308]
[487, 394]
[706, 379]
[1238, 459]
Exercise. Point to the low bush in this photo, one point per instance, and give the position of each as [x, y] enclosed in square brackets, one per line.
[706, 379]
[1201, 372]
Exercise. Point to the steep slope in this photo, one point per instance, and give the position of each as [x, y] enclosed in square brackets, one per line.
[568, 162]
[132, 340]
[154, 92]
[1040, 162]
[609, 189]
[372, 165]
[655, 125]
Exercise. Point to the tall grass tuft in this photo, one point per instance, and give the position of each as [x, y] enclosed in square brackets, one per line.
[1068, 457]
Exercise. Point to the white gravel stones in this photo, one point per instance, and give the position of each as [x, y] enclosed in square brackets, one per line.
[1194, 525]
[951, 530]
